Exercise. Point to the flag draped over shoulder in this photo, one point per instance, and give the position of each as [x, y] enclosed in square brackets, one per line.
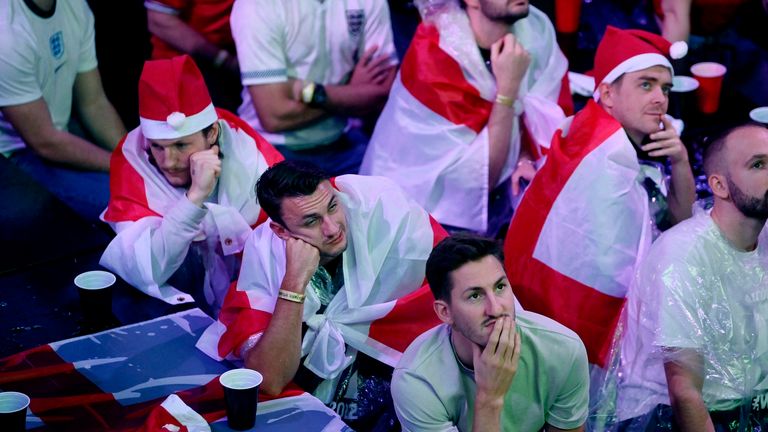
[384, 303]
[431, 137]
[580, 229]
[140, 196]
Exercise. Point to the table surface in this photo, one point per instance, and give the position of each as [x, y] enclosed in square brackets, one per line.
[112, 380]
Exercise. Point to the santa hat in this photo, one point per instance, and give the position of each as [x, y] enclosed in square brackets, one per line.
[173, 99]
[622, 51]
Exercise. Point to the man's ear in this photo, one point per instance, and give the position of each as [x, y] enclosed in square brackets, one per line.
[213, 134]
[719, 186]
[443, 311]
[279, 230]
[606, 93]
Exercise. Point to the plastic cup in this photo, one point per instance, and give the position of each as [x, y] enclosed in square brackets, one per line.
[95, 288]
[760, 115]
[567, 14]
[710, 77]
[681, 97]
[241, 395]
[13, 411]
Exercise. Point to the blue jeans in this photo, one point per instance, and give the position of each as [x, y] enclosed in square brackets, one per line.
[86, 192]
[343, 156]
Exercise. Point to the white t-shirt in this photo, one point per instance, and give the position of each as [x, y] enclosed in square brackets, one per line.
[433, 391]
[694, 290]
[40, 57]
[310, 40]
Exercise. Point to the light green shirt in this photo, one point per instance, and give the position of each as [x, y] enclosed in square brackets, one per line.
[433, 391]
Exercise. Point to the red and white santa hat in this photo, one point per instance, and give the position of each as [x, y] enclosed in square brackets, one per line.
[622, 51]
[173, 99]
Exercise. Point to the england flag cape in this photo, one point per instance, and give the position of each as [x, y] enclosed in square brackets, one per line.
[384, 303]
[140, 196]
[580, 230]
[431, 137]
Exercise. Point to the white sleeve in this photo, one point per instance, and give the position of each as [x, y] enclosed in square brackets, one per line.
[146, 253]
[87, 56]
[18, 57]
[378, 31]
[259, 32]
[417, 406]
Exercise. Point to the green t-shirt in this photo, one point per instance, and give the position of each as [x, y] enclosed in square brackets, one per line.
[433, 391]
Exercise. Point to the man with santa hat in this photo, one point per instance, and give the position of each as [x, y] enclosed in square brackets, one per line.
[182, 190]
[590, 214]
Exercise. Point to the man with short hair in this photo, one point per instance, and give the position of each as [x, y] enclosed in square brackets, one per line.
[183, 199]
[489, 367]
[331, 290]
[473, 108]
[591, 213]
[697, 313]
[47, 66]
[307, 67]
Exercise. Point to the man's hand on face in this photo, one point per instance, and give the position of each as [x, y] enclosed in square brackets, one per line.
[509, 62]
[666, 142]
[301, 261]
[204, 168]
[496, 365]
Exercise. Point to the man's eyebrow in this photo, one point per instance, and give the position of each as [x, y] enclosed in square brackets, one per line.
[473, 288]
[756, 157]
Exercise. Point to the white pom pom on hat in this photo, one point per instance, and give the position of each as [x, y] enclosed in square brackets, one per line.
[678, 50]
[176, 120]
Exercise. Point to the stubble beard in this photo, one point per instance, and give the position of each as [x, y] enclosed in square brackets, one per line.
[750, 206]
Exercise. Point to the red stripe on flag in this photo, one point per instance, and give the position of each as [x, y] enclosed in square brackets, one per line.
[435, 79]
[271, 155]
[127, 194]
[411, 316]
[240, 320]
[541, 289]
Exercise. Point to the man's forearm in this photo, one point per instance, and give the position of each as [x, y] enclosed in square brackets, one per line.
[68, 149]
[278, 352]
[179, 35]
[487, 415]
[170, 242]
[359, 99]
[682, 192]
[103, 122]
[500, 126]
[691, 414]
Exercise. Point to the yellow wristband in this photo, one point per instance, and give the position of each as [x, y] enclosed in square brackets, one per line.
[505, 100]
[291, 296]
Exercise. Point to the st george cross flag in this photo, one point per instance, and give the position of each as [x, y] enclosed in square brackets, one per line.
[580, 229]
[120, 379]
[141, 197]
[432, 136]
[384, 303]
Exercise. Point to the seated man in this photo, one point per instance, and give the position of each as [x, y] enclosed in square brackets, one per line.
[697, 313]
[450, 134]
[183, 199]
[488, 367]
[47, 66]
[329, 292]
[200, 29]
[307, 66]
[592, 211]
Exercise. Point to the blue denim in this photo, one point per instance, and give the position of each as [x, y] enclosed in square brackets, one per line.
[343, 156]
[86, 192]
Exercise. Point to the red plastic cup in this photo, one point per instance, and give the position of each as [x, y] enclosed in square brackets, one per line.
[567, 14]
[710, 77]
